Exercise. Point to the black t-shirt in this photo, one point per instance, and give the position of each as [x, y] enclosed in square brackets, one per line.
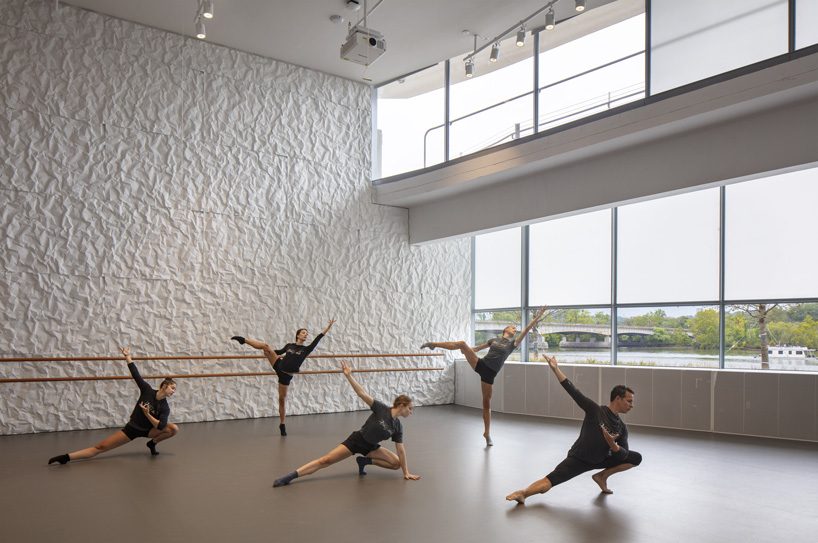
[293, 355]
[590, 446]
[380, 425]
[499, 349]
[159, 408]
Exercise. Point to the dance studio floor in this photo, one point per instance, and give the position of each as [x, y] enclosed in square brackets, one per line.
[213, 482]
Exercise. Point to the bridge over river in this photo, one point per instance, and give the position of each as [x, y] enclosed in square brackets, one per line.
[569, 328]
[571, 333]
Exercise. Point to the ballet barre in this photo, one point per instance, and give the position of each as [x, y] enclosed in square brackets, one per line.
[203, 375]
[206, 357]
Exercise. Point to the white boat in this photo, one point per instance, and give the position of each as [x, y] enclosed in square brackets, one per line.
[790, 352]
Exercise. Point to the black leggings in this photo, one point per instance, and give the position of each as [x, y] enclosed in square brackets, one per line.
[571, 467]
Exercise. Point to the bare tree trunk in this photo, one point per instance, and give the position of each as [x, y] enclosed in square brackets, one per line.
[762, 330]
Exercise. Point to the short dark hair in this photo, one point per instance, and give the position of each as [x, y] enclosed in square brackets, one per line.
[619, 391]
[298, 332]
[167, 381]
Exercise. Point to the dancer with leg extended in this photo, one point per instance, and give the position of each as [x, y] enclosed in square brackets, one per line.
[602, 442]
[382, 424]
[285, 362]
[148, 419]
[490, 365]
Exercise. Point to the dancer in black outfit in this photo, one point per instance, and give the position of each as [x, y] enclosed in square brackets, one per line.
[285, 362]
[382, 424]
[148, 419]
[602, 442]
[490, 365]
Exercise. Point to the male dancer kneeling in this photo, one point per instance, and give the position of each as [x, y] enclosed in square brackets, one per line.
[602, 442]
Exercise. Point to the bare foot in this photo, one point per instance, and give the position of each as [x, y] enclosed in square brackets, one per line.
[602, 482]
[518, 497]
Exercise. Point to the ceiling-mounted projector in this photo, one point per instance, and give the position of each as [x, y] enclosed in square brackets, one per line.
[363, 46]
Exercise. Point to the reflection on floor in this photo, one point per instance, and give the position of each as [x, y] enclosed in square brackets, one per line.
[213, 482]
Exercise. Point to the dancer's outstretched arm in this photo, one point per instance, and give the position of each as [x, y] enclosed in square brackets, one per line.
[402, 456]
[537, 316]
[329, 325]
[319, 337]
[552, 363]
[585, 403]
[359, 390]
[141, 383]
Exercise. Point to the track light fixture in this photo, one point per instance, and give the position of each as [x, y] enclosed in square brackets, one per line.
[207, 9]
[550, 24]
[550, 19]
[495, 52]
[201, 33]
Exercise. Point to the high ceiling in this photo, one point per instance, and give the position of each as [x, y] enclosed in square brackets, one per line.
[418, 33]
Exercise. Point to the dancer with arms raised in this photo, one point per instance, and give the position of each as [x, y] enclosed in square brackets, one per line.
[148, 419]
[286, 361]
[490, 365]
[383, 423]
[602, 443]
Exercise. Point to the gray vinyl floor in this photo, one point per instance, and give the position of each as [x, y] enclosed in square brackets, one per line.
[213, 482]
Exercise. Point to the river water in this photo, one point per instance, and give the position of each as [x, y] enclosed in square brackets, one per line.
[688, 359]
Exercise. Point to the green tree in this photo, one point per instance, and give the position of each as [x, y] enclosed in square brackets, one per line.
[808, 332]
[738, 331]
[705, 328]
[762, 314]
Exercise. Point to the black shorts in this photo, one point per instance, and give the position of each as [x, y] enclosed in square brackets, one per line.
[133, 432]
[487, 374]
[571, 467]
[283, 378]
[358, 445]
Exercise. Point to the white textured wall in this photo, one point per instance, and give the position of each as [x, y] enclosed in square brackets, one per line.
[167, 193]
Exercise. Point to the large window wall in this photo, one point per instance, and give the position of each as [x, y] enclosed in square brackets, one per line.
[723, 277]
[441, 114]
[406, 109]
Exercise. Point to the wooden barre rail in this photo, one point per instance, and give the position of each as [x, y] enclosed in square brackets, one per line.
[207, 357]
[201, 375]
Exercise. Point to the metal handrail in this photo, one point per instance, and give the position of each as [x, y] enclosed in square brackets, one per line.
[562, 117]
[539, 89]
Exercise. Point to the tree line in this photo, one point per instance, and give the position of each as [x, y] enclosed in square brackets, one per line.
[747, 327]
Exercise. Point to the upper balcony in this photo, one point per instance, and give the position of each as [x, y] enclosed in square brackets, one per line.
[622, 106]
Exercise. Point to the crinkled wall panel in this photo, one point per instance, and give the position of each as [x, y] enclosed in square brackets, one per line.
[168, 193]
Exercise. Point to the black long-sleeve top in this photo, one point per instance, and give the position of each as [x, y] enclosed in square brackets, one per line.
[158, 408]
[294, 355]
[590, 446]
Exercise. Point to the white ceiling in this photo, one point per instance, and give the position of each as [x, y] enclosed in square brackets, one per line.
[418, 33]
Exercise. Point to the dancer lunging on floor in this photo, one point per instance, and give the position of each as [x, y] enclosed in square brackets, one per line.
[382, 424]
[285, 362]
[149, 419]
[602, 442]
[490, 365]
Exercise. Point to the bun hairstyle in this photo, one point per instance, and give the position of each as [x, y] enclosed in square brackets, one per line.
[298, 332]
[401, 401]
